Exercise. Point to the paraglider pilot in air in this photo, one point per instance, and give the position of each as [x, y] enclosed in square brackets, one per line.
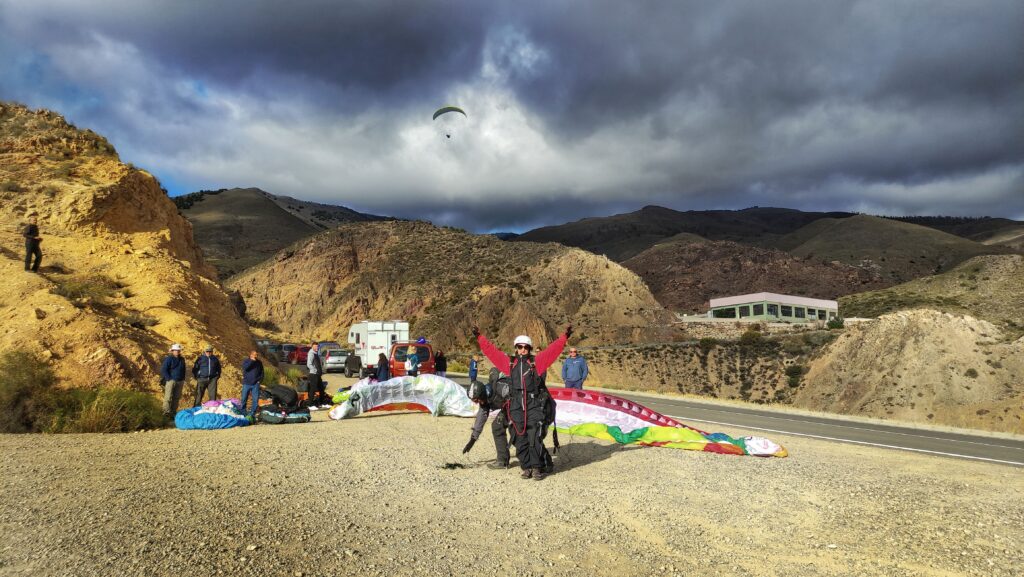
[529, 400]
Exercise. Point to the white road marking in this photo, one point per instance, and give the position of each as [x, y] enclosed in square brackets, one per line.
[1020, 464]
[830, 423]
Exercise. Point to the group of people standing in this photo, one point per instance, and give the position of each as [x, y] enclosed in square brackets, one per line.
[206, 370]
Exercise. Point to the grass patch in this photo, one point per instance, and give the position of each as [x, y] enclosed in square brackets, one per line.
[30, 403]
[794, 374]
[708, 343]
[87, 289]
[138, 320]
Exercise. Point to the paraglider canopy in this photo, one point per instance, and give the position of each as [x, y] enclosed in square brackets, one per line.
[447, 109]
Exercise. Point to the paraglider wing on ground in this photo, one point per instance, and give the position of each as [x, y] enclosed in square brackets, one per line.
[603, 416]
[427, 393]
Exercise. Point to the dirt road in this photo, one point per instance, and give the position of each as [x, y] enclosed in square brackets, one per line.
[370, 496]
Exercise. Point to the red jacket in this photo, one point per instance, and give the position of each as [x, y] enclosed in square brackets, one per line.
[541, 360]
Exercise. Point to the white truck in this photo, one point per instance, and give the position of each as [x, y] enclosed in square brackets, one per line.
[371, 338]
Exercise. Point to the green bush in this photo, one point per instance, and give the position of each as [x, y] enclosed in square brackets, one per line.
[30, 403]
[115, 411]
[751, 338]
[836, 323]
[292, 376]
[271, 376]
[794, 373]
[971, 373]
[24, 384]
[138, 320]
[708, 343]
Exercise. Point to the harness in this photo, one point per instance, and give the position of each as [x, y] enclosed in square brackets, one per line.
[522, 384]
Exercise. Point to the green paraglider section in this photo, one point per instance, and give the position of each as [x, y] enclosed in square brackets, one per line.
[447, 109]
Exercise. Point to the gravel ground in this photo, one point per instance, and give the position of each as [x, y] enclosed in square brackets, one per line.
[370, 496]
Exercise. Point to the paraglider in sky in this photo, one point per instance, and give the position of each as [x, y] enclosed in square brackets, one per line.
[450, 121]
[612, 418]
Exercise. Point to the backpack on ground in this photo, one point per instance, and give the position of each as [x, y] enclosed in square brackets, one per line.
[284, 396]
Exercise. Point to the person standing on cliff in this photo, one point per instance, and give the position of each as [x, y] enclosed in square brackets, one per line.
[32, 242]
[574, 370]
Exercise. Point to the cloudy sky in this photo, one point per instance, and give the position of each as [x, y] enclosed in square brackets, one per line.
[574, 108]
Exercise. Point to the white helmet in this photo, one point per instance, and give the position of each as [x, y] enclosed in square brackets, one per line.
[523, 340]
[175, 347]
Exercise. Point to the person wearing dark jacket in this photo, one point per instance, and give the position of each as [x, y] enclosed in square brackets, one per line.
[529, 398]
[440, 364]
[32, 241]
[490, 399]
[383, 370]
[252, 376]
[172, 373]
[206, 371]
[317, 394]
[474, 366]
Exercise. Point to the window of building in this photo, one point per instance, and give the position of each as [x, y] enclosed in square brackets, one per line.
[831, 315]
[787, 311]
[744, 311]
[357, 338]
[758, 310]
[811, 313]
[773, 310]
[821, 315]
[801, 313]
[729, 313]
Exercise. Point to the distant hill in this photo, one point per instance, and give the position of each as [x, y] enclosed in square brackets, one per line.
[443, 281]
[622, 236]
[899, 251]
[988, 287]
[985, 229]
[685, 271]
[240, 227]
[321, 215]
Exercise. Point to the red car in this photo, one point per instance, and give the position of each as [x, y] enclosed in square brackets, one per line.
[399, 352]
[298, 356]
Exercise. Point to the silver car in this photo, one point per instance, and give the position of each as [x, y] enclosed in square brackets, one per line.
[333, 359]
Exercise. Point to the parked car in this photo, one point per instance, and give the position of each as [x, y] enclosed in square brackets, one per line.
[354, 366]
[333, 359]
[273, 352]
[298, 355]
[286, 350]
[329, 345]
[399, 352]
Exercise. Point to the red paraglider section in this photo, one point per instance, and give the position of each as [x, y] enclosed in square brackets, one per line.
[617, 404]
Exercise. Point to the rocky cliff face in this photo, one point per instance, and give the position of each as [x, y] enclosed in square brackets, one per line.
[922, 365]
[443, 281]
[122, 277]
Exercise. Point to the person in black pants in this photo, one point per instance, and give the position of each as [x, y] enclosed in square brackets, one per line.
[317, 393]
[32, 241]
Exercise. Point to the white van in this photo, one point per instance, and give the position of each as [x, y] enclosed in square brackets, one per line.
[371, 338]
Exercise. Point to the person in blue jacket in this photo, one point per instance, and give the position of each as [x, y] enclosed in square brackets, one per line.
[574, 370]
[252, 376]
[474, 368]
[206, 372]
[172, 373]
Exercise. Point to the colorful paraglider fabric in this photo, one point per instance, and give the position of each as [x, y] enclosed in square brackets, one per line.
[212, 415]
[426, 393]
[341, 396]
[603, 416]
[446, 110]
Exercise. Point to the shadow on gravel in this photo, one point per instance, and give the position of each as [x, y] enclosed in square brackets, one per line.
[577, 453]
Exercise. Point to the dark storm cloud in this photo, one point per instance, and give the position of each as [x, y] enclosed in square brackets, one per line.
[576, 108]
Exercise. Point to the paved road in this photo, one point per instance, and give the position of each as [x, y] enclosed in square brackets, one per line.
[710, 416]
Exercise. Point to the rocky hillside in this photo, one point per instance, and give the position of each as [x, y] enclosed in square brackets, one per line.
[443, 281]
[988, 287]
[622, 236]
[898, 251]
[319, 214]
[685, 271]
[925, 366]
[122, 277]
[241, 227]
